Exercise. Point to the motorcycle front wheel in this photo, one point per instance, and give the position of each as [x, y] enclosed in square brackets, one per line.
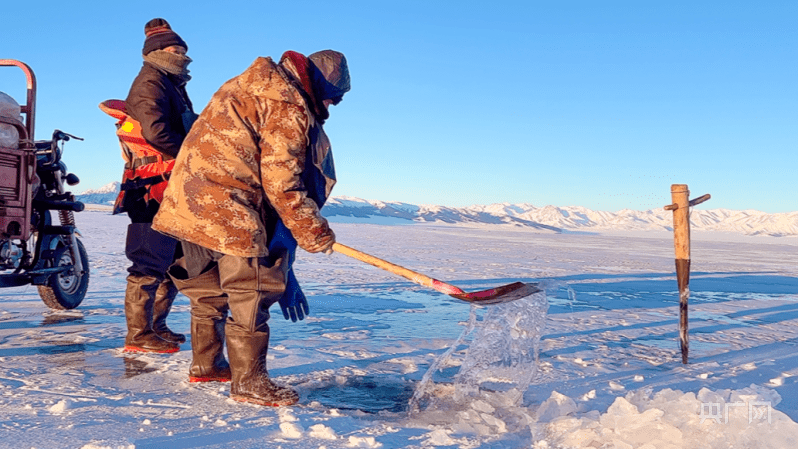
[66, 290]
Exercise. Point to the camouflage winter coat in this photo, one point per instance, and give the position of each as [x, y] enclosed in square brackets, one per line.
[245, 163]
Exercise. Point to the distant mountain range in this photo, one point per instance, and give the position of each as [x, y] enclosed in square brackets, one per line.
[104, 195]
[545, 219]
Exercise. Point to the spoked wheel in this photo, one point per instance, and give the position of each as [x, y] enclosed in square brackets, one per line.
[67, 289]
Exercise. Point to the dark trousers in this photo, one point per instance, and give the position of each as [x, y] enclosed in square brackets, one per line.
[150, 252]
[150, 293]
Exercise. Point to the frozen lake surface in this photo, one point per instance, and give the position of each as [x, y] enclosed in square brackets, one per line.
[609, 372]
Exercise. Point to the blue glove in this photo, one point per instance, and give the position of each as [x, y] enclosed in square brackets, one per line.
[293, 301]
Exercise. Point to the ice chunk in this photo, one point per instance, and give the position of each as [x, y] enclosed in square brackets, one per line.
[620, 412]
[616, 386]
[59, 407]
[495, 422]
[439, 437]
[286, 415]
[705, 395]
[482, 406]
[322, 432]
[290, 430]
[756, 393]
[588, 396]
[555, 406]
[367, 442]
[580, 438]
[503, 353]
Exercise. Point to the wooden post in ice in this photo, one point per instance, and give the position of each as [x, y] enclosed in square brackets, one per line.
[681, 243]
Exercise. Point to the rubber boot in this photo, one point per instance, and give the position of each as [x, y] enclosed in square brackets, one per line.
[252, 286]
[208, 363]
[139, 300]
[251, 381]
[208, 318]
[164, 297]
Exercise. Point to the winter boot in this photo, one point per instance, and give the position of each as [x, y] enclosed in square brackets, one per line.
[252, 285]
[164, 297]
[139, 299]
[208, 363]
[208, 318]
[251, 381]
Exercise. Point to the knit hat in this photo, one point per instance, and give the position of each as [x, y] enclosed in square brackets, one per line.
[334, 80]
[160, 35]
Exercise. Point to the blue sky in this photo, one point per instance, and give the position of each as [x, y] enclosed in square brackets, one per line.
[602, 104]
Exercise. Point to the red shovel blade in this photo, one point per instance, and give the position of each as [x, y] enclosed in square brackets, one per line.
[499, 295]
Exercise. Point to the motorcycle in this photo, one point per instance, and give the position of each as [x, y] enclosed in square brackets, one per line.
[33, 185]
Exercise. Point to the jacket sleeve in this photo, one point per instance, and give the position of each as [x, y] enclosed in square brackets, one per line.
[283, 143]
[148, 103]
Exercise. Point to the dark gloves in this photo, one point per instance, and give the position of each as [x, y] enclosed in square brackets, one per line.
[293, 301]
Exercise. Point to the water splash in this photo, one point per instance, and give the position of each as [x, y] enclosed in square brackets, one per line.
[504, 351]
[425, 387]
[500, 362]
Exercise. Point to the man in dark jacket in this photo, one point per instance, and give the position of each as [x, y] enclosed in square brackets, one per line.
[159, 102]
[246, 189]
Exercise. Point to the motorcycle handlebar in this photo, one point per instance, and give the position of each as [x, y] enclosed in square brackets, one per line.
[60, 135]
[51, 147]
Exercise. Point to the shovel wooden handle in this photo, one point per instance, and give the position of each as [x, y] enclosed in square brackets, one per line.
[410, 275]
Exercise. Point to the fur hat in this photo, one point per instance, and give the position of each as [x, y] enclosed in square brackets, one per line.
[159, 35]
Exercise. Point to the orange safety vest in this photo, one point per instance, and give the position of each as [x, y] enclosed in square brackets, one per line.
[144, 165]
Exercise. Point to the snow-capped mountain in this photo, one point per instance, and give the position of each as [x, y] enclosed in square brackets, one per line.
[547, 218]
[558, 219]
[104, 195]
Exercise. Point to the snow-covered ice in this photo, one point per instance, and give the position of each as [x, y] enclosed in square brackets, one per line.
[608, 371]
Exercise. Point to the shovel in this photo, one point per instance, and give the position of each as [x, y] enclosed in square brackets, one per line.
[497, 295]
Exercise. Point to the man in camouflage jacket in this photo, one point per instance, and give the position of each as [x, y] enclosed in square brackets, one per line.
[256, 161]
